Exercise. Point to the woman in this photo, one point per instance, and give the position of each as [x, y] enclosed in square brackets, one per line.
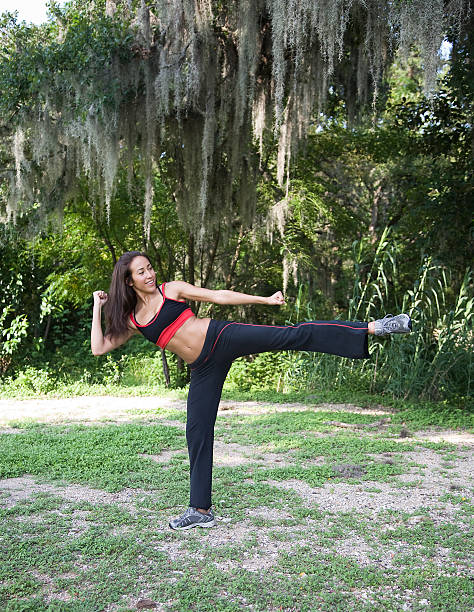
[135, 304]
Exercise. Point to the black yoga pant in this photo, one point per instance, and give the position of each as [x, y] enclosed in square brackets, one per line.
[225, 341]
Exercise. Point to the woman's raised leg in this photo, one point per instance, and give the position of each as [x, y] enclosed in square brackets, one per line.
[343, 338]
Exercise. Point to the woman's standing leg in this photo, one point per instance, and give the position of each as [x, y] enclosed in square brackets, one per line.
[203, 401]
[207, 379]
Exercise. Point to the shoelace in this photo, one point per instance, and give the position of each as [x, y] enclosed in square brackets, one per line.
[186, 514]
[395, 324]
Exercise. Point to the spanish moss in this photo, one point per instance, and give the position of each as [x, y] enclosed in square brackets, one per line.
[202, 85]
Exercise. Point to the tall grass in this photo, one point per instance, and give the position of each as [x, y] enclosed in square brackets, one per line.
[433, 362]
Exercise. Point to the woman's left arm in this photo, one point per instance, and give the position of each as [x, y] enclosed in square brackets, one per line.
[181, 290]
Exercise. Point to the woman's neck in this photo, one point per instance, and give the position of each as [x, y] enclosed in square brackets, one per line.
[145, 298]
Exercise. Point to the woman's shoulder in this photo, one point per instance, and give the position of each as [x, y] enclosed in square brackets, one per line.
[173, 288]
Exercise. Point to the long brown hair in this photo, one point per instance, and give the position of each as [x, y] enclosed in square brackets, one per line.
[122, 297]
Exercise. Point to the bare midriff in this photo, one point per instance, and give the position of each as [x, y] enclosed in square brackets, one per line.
[188, 341]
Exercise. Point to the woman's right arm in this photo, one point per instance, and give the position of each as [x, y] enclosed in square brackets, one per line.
[101, 344]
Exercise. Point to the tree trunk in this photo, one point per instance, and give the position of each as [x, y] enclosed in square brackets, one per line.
[190, 261]
[374, 217]
[190, 268]
[157, 259]
[235, 259]
[166, 370]
[210, 264]
[183, 374]
[102, 232]
[48, 327]
[212, 257]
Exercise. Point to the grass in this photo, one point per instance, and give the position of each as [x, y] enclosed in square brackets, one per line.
[92, 532]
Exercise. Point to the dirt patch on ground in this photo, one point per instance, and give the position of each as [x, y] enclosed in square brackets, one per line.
[345, 497]
[420, 487]
[87, 409]
[230, 454]
[248, 408]
[20, 489]
[454, 437]
[99, 409]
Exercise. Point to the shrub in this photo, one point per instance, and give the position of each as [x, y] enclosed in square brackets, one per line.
[263, 371]
[37, 380]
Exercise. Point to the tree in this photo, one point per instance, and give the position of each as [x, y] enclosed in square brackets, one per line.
[202, 87]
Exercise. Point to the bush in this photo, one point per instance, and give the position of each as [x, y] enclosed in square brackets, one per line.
[36, 380]
[263, 371]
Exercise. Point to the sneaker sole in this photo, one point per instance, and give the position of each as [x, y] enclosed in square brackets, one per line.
[204, 525]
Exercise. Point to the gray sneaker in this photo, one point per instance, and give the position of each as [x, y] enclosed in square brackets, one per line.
[398, 324]
[193, 518]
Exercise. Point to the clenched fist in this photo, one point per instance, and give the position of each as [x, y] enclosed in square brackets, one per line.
[276, 299]
[100, 298]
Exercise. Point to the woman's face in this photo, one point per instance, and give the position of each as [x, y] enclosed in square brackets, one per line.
[143, 277]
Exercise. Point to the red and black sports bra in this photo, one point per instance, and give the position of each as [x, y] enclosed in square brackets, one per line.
[169, 318]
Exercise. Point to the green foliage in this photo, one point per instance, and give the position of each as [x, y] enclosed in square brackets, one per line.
[15, 283]
[11, 336]
[264, 371]
[76, 43]
[72, 370]
[32, 380]
[434, 362]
